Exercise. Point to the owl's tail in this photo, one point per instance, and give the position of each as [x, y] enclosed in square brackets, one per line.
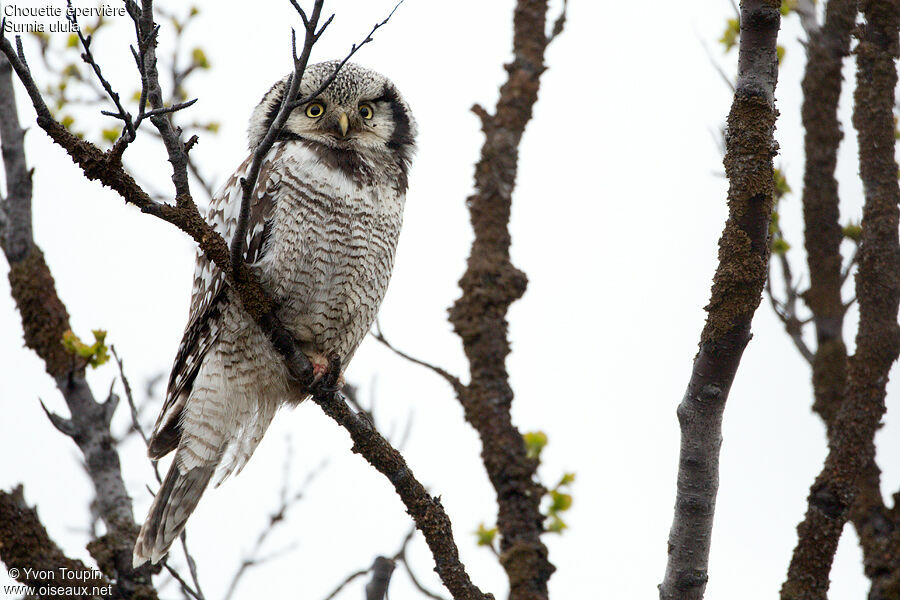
[174, 503]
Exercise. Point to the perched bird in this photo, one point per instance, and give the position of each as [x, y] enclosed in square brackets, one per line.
[324, 221]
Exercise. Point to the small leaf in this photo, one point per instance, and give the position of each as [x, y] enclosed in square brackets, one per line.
[67, 121]
[199, 58]
[567, 479]
[773, 223]
[781, 184]
[780, 246]
[559, 502]
[852, 231]
[556, 525]
[779, 51]
[111, 135]
[72, 41]
[96, 354]
[99, 348]
[730, 36]
[485, 536]
[534, 443]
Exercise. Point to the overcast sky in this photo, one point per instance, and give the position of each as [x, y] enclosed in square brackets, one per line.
[619, 205]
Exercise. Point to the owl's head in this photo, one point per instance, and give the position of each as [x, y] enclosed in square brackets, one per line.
[361, 112]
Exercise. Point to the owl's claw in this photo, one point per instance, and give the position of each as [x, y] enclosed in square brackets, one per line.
[329, 380]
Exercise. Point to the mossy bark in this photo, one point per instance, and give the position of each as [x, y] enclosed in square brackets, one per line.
[736, 293]
[851, 440]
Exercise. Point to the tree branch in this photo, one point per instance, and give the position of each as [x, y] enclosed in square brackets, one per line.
[821, 214]
[453, 380]
[26, 547]
[852, 447]
[736, 293]
[489, 286]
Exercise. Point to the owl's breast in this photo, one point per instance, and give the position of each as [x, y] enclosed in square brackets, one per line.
[330, 256]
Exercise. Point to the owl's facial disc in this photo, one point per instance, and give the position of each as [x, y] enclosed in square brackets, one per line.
[364, 124]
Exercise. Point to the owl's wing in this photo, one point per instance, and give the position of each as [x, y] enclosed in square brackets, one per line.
[209, 295]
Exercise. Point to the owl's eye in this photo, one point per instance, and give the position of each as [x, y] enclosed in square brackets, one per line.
[314, 110]
[366, 111]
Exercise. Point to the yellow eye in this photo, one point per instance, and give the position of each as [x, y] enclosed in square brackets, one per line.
[365, 111]
[314, 110]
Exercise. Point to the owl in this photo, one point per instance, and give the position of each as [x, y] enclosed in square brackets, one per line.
[324, 220]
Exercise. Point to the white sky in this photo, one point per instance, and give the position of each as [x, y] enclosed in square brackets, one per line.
[619, 205]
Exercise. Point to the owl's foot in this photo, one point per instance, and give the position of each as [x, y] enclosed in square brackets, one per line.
[320, 366]
[328, 378]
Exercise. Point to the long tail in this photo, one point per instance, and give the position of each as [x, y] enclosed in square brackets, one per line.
[174, 503]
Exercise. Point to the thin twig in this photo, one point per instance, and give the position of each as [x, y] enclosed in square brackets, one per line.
[559, 24]
[185, 586]
[88, 57]
[400, 557]
[192, 564]
[349, 579]
[453, 380]
[786, 310]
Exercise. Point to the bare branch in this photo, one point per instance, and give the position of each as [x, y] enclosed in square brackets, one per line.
[453, 380]
[400, 557]
[192, 564]
[806, 9]
[350, 578]
[129, 131]
[15, 230]
[25, 544]
[736, 293]
[852, 446]
[845, 272]
[489, 286]
[185, 586]
[559, 24]
[381, 570]
[787, 309]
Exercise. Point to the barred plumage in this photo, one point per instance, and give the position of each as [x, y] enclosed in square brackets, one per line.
[324, 223]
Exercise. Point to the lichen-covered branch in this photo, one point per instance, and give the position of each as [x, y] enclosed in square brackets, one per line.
[489, 286]
[851, 443]
[875, 525]
[736, 293]
[821, 213]
[26, 547]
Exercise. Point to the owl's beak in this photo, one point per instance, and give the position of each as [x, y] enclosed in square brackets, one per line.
[343, 123]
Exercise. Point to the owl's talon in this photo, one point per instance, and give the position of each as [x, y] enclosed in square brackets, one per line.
[331, 380]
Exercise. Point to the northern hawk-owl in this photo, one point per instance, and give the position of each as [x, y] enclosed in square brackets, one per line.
[324, 221]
